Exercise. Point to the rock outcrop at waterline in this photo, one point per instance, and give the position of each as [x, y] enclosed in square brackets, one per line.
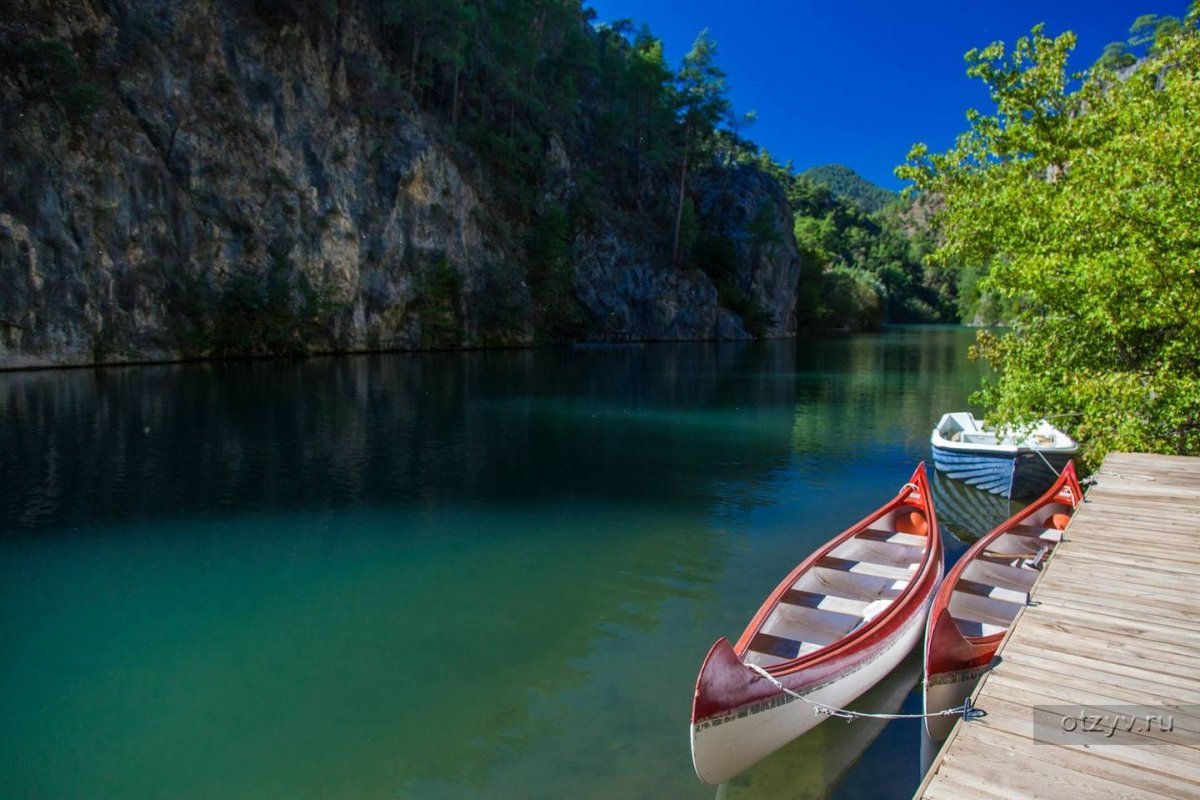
[184, 180]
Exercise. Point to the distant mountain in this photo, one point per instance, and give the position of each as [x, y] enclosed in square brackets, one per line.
[845, 182]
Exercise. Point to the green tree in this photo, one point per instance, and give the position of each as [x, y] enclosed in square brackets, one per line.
[1082, 207]
[702, 105]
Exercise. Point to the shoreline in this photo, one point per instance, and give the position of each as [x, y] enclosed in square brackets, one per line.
[24, 363]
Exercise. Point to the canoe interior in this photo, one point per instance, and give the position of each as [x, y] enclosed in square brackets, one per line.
[995, 585]
[851, 585]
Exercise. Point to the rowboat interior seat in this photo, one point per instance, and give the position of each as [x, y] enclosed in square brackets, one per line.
[974, 628]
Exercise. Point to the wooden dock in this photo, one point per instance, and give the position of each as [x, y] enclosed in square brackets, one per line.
[1115, 621]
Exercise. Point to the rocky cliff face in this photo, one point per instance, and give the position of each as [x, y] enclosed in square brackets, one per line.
[248, 187]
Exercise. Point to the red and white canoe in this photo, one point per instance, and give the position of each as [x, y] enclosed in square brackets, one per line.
[982, 594]
[836, 625]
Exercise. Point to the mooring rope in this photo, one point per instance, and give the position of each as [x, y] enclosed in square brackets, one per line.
[1127, 476]
[968, 711]
[1057, 473]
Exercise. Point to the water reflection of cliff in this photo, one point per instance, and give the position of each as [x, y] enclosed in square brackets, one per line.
[418, 569]
[653, 424]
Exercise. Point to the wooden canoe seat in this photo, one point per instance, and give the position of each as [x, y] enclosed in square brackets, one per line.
[873, 610]
[1000, 572]
[983, 609]
[810, 623]
[1053, 535]
[892, 537]
[867, 568]
[970, 627]
[851, 585]
[826, 602]
[980, 589]
[1017, 542]
[777, 646]
[767, 649]
[888, 553]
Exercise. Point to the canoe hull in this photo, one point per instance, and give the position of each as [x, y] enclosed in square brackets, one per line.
[836, 625]
[813, 764]
[726, 745]
[955, 661]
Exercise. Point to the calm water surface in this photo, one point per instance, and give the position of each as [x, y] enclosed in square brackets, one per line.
[450, 575]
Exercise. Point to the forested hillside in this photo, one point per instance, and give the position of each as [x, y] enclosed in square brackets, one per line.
[288, 176]
[849, 185]
[870, 267]
[234, 177]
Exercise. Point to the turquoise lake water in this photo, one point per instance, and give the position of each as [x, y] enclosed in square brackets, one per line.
[477, 575]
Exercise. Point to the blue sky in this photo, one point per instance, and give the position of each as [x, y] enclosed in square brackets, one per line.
[858, 82]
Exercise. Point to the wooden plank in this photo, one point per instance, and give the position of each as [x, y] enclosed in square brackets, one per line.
[1121, 557]
[1127, 606]
[1099, 618]
[1150, 496]
[1031, 689]
[1081, 766]
[1147, 551]
[1079, 672]
[1034, 778]
[1125, 583]
[1129, 525]
[1052, 634]
[1151, 493]
[951, 785]
[1137, 507]
[1133, 584]
[1158, 535]
[1053, 595]
[1176, 760]
[1176, 560]
[1153, 541]
[1129, 600]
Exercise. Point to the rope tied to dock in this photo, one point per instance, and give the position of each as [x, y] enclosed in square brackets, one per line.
[1093, 479]
[968, 711]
